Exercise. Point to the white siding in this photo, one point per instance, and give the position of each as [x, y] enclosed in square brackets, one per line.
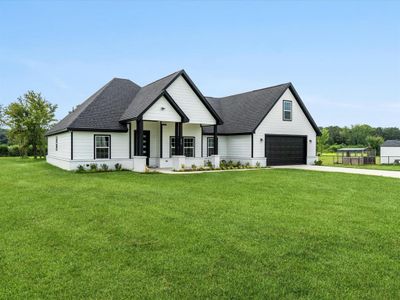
[190, 104]
[162, 110]
[389, 154]
[64, 146]
[231, 146]
[84, 145]
[222, 145]
[274, 124]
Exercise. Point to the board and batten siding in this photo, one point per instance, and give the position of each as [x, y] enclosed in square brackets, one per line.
[64, 146]
[389, 155]
[273, 124]
[84, 145]
[235, 147]
[162, 110]
[189, 102]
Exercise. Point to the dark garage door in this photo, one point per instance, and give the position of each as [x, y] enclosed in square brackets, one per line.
[285, 149]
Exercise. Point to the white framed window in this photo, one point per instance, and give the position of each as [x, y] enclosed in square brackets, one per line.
[102, 146]
[210, 146]
[56, 143]
[188, 146]
[287, 110]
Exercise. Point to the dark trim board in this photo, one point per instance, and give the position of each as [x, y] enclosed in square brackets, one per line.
[72, 145]
[130, 140]
[86, 129]
[184, 118]
[223, 134]
[285, 149]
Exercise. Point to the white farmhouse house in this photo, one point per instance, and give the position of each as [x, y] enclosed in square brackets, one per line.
[390, 152]
[169, 123]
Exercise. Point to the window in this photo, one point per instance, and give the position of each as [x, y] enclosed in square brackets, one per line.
[287, 110]
[102, 146]
[188, 146]
[56, 143]
[210, 146]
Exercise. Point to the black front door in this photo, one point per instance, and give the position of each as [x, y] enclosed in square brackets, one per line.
[146, 144]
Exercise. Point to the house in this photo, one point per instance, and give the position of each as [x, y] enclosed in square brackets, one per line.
[390, 152]
[169, 123]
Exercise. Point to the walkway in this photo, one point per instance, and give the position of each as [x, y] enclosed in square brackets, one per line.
[393, 174]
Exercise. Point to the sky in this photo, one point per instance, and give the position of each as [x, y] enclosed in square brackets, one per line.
[343, 57]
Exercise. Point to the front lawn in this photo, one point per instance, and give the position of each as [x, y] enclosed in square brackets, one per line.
[328, 159]
[272, 233]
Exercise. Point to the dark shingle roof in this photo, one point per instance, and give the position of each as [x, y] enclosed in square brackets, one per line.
[242, 113]
[102, 110]
[147, 95]
[391, 143]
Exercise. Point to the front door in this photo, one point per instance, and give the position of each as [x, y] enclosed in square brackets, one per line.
[146, 144]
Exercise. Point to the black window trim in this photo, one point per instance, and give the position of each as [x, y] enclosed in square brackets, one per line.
[283, 110]
[208, 147]
[94, 146]
[56, 143]
[183, 143]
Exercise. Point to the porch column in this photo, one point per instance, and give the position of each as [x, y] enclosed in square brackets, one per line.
[139, 161]
[215, 140]
[215, 157]
[139, 137]
[178, 139]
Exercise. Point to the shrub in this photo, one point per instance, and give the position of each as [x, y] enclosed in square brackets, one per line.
[183, 166]
[13, 150]
[80, 168]
[230, 164]
[208, 164]
[194, 167]
[222, 163]
[118, 167]
[247, 165]
[3, 150]
[104, 167]
[318, 162]
[258, 165]
[93, 167]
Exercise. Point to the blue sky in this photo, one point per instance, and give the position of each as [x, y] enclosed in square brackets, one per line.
[343, 57]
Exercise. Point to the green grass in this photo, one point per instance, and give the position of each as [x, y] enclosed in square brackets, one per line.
[328, 160]
[272, 233]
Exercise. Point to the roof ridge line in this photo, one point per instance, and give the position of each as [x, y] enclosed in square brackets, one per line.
[256, 90]
[180, 71]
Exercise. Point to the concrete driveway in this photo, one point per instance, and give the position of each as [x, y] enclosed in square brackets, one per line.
[393, 174]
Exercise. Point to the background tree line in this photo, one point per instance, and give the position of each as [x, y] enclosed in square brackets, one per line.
[335, 137]
[27, 120]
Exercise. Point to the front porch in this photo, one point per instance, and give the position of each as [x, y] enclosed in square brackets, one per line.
[166, 144]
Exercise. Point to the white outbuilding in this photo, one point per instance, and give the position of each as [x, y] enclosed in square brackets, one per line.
[390, 152]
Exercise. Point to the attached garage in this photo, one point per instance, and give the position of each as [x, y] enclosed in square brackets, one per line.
[285, 149]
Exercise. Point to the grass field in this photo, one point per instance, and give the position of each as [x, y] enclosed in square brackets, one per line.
[328, 160]
[272, 233]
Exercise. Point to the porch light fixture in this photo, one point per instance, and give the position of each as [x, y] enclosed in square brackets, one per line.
[162, 108]
[261, 139]
[310, 141]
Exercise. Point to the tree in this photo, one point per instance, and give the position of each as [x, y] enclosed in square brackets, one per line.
[322, 140]
[375, 142]
[28, 119]
[359, 133]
